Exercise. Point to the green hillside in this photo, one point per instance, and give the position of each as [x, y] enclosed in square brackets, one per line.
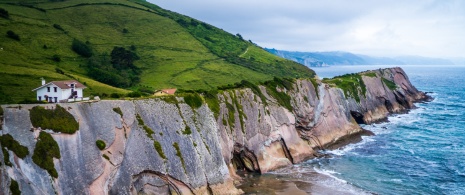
[166, 49]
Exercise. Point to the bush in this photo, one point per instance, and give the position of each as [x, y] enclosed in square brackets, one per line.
[118, 110]
[1, 111]
[193, 100]
[13, 35]
[14, 188]
[4, 13]
[7, 141]
[58, 27]
[56, 58]
[59, 71]
[6, 157]
[100, 144]
[81, 48]
[46, 149]
[115, 95]
[134, 94]
[58, 120]
[391, 85]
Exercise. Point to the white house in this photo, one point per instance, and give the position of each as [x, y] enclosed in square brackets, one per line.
[59, 91]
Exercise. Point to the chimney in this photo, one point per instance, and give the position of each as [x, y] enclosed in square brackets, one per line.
[43, 81]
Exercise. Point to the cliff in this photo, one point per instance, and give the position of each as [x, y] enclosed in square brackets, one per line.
[174, 145]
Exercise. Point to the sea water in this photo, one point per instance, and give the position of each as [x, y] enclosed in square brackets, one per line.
[421, 152]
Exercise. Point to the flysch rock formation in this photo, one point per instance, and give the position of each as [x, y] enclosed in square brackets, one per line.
[164, 147]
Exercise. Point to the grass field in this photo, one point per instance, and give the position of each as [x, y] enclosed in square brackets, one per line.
[175, 51]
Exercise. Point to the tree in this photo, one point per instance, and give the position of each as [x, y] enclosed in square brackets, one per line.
[4, 13]
[81, 48]
[123, 59]
[13, 35]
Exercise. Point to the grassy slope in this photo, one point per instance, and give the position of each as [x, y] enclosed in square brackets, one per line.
[194, 56]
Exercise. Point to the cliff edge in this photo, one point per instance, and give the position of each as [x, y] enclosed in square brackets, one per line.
[182, 145]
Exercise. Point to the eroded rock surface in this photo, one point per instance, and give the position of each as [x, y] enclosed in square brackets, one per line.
[164, 147]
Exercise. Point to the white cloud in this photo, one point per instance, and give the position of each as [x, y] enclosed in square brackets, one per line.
[384, 28]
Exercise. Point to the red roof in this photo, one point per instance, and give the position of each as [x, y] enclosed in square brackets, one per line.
[169, 91]
[64, 84]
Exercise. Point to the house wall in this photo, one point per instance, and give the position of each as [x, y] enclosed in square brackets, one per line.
[61, 94]
[43, 91]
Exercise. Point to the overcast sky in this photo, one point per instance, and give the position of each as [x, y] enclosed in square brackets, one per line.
[434, 28]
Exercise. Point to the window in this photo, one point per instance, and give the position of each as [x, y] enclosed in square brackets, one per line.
[55, 89]
[48, 89]
[40, 98]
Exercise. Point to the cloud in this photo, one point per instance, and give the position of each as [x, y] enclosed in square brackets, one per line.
[384, 28]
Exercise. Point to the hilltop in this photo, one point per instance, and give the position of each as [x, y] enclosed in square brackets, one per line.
[121, 45]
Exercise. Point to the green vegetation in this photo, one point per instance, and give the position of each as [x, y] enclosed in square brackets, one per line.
[46, 149]
[149, 132]
[282, 97]
[239, 109]
[178, 153]
[58, 120]
[105, 156]
[100, 144]
[187, 131]
[391, 85]
[193, 100]
[118, 110]
[315, 85]
[14, 187]
[1, 112]
[370, 74]
[7, 141]
[167, 49]
[81, 48]
[13, 35]
[211, 98]
[159, 149]
[4, 13]
[352, 85]
[6, 157]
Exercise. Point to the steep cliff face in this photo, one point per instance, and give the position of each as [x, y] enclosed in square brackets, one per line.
[164, 145]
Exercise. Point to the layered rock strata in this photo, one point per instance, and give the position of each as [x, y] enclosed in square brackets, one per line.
[156, 146]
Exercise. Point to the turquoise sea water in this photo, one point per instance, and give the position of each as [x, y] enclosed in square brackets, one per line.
[422, 152]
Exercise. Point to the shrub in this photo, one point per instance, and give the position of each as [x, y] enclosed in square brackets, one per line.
[81, 48]
[178, 153]
[6, 157]
[13, 35]
[4, 13]
[187, 131]
[14, 187]
[159, 149]
[193, 100]
[56, 58]
[59, 71]
[100, 144]
[58, 27]
[134, 94]
[213, 103]
[115, 95]
[58, 120]
[46, 149]
[391, 85]
[9, 142]
[1, 111]
[118, 110]
[283, 98]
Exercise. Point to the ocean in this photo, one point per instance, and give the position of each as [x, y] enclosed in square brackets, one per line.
[421, 152]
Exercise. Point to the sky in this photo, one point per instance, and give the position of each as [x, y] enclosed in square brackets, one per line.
[430, 28]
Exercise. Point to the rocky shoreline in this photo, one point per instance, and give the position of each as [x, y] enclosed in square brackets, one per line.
[165, 145]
